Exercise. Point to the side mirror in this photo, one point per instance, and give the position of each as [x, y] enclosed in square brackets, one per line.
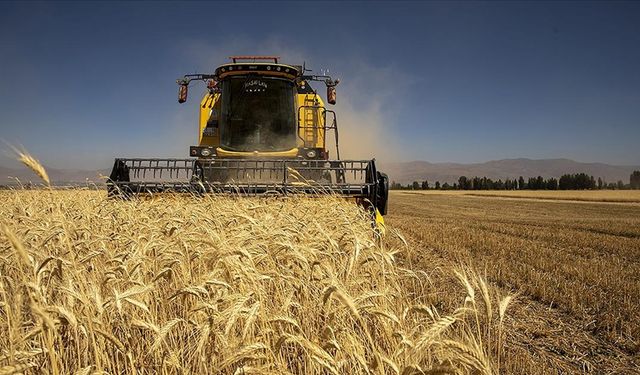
[182, 92]
[331, 94]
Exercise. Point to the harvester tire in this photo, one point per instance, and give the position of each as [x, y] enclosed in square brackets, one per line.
[382, 195]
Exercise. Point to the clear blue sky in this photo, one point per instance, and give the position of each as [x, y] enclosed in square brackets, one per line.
[81, 83]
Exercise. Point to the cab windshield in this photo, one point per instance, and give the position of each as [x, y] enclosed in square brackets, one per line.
[258, 114]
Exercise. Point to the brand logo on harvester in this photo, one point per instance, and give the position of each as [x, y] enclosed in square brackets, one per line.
[255, 85]
[209, 132]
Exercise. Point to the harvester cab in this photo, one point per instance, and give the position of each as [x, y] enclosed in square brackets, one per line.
[262, 130]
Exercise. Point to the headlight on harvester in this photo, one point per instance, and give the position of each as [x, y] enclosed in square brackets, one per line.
[311, 154]
[205, 152]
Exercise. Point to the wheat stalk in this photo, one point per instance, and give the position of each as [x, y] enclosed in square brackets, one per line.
[220, 285]
[33, 164]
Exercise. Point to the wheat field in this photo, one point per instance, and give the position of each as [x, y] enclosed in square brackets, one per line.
[178, 284]
[574, 264]
[610, 196]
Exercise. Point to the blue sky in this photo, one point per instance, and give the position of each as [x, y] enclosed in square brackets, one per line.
[467, 82]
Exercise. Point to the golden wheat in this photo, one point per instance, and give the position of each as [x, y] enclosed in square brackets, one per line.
[222, 285]
[33, 164]
[213, 285]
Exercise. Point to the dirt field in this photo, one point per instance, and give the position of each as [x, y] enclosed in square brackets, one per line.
[574, 264]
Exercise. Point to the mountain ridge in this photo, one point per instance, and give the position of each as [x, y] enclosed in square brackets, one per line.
[56, 175]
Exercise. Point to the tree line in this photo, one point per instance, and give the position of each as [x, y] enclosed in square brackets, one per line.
[577, 181]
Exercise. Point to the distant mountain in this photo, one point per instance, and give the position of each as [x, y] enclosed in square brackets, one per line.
[403, 172]
[406, 172]
[57, 176]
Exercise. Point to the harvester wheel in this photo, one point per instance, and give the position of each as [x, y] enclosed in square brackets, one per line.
[119, 174]
[382, 195]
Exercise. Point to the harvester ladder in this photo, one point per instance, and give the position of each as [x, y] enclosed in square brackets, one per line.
[310, 121]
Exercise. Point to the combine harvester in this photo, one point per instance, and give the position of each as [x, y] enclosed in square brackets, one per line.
[262, 130]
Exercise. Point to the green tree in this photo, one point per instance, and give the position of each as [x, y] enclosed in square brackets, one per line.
[510, 184]
[521, 183]
[464, 183]
[476, 183]
[437, 185]
[634, 180]
[567, 182]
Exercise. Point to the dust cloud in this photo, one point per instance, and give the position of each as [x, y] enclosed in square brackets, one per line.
[365, 133]
[367, 108]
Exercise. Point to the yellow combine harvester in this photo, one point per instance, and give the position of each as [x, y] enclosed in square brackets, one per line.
[262, 130]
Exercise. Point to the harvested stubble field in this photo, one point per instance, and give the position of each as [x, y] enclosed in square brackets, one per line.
[574, 264]
[221, 285]
[615, 196]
